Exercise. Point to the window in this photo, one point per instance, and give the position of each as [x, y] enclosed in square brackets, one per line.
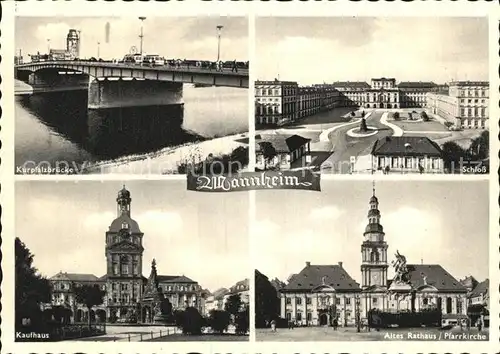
[337, 301]
[288, 301]
[375, 300]
[299, 316]
[348, 301]
[299, 301]
[309, 316]
[308, 301]
[288, 316]
[462, 112]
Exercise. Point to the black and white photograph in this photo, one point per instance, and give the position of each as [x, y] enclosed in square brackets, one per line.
[145, 261]
[374, 262]
[372, 95]
[130, 95]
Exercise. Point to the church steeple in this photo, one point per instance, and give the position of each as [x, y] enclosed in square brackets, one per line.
[374, 248]
[123, 202]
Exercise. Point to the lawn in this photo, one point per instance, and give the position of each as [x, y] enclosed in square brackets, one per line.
[419, 126]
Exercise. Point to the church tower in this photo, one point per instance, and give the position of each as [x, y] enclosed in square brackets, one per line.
[124, 260]
[374, 250]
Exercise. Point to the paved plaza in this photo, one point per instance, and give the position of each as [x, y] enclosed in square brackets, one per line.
[135, 333]
[319, 334]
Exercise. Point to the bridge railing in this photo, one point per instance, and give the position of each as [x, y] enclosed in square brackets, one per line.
[167, 67]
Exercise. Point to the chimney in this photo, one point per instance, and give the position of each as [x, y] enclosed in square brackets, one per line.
[340, 264]
[308, 264]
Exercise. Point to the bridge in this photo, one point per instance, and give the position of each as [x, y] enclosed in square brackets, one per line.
[123, 84]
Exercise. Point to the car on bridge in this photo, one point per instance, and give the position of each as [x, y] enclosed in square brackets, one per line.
[133, 58]
[153, 60]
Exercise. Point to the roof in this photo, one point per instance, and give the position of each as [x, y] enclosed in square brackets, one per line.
[481, 289]
[116, 225]
[415, 84]
[436, 276]
[174, 279]
[312, 276]
[281, 143]
[397, 145]
[275, 82]
[59, 51]
[78, 277]
[240, 286]
[469, 83]
[384, 79]
[361, 84]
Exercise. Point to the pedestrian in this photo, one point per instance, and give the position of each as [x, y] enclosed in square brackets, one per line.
[273, 326]
[335, 324]
[235, 67]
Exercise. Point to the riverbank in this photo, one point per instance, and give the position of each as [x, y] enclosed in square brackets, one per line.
[166, 161]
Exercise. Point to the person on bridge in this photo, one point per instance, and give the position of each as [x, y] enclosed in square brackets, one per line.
[235, 67]
[220, 65]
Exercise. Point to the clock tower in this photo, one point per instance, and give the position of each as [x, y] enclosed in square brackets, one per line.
[124, 261]
[374, 250]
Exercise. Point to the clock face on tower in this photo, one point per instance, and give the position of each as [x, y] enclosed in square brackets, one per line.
[376, 278]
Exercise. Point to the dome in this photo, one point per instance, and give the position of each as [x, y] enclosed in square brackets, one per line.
[374, 228]
[373, 212]
[124, 193]
[117, 224]
[373, 199]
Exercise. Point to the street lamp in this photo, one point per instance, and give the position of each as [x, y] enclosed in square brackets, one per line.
[48, 45]
[219, 32]
[98, 50]
[141, 36]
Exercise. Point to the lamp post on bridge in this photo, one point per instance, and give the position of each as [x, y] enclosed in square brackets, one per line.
[98, 50]
[48, 45]
[141, 36]
[219, 32]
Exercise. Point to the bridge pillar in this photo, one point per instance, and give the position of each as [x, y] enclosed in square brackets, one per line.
[52, 81]
[107, 93]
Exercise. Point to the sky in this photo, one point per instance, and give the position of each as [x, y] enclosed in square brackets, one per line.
[438, 222]
[316, 50]
[171, 37]
[203, 236]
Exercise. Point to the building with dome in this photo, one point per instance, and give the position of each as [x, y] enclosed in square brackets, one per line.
[323, 294]
[129, 295]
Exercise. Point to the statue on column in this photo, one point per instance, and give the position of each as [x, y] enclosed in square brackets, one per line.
[363, 127]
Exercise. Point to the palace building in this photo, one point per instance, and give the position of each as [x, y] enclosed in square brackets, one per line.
[126, 296]
[463, 103]
[320, 294]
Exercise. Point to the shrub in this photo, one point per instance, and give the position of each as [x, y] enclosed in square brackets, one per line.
[189, 320]
[219, 320]
[424, 116]
[396, 116]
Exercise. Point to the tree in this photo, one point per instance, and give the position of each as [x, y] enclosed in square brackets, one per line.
[452, 155]
[190, 321]
[233, 304]
[267, 301]
[219, 320]
[396, 116]
[90, 296]
[31, 289]
[479, 148]
[242, 321]
[268, 152]
[424, 116]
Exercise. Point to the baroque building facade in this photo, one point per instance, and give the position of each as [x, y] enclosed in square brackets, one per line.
[123, 282]
[463, 103]
[326, 294]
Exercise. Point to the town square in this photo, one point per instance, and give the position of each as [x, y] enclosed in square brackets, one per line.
[405, 287]
[386, 112]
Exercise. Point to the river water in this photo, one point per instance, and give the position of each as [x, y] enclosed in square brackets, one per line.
[58, 127]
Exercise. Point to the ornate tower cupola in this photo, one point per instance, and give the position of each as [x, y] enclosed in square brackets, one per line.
[123, 202]
[374, 249]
